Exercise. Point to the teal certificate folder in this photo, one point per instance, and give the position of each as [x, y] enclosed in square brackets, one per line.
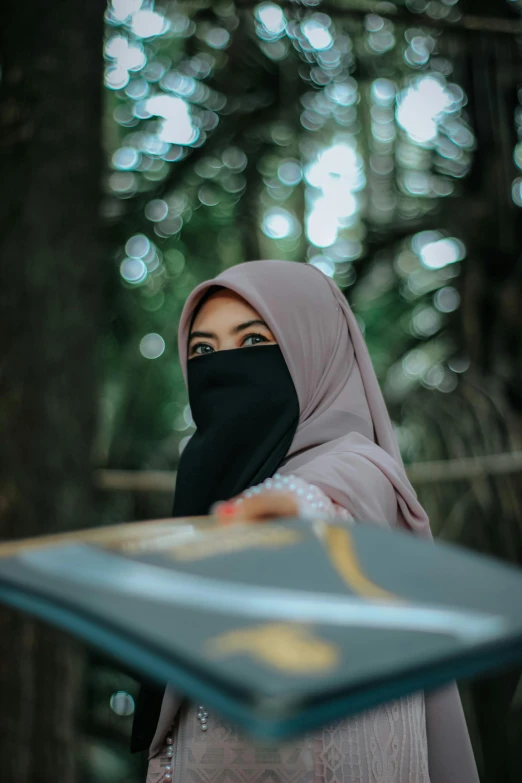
[280, 627]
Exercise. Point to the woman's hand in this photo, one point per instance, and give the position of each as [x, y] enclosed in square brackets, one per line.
[258, 508]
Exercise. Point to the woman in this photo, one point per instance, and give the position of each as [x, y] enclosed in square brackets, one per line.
[294, 424]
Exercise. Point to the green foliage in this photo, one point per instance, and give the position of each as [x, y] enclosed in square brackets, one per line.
[237, 133]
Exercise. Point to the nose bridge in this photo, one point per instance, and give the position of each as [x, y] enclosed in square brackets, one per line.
[227, 342]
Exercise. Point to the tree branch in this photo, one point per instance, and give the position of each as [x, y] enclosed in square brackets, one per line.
[418, 473]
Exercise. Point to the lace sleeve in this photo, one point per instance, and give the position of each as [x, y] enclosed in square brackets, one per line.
[313, 502]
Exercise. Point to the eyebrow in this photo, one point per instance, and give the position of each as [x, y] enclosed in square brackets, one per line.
[235, 330]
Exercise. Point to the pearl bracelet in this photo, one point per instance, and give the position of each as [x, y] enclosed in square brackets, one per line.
[311, 503]
[202, 717]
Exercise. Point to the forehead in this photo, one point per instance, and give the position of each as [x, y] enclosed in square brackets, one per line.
[224, 305]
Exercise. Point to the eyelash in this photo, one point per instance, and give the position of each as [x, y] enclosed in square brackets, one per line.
[262, 337]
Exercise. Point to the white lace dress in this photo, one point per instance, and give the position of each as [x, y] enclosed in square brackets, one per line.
[383, 745]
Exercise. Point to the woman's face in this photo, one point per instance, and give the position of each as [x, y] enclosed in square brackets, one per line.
[225, 322]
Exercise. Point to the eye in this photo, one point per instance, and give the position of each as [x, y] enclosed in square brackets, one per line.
[199, 349]
[254, 339]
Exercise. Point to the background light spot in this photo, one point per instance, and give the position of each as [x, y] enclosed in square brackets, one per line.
[152, 345]
[122, 703]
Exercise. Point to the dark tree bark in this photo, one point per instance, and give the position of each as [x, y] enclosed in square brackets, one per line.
[51, 290]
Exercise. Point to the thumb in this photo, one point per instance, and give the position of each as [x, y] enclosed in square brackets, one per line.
[268, 505]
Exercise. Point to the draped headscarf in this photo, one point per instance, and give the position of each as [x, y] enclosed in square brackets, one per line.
[344, 442]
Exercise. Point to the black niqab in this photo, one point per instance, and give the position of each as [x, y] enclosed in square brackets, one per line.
[246, 411]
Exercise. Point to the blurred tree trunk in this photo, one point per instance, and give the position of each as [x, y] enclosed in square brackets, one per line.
[51, 289]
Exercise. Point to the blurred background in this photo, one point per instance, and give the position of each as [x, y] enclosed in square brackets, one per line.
[146, 146]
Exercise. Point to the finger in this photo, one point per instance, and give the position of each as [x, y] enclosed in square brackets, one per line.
[269, 505]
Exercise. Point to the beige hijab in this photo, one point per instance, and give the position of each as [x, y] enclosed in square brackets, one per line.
[344, 442]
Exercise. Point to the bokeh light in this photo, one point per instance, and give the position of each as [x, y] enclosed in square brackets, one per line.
[177, 126]
[447, 299]
[137, 246]
[315, 30]
[420, 108]
[325, 264]
[122, 703]
[334, 177]
[271, 18]
[148, 23]
[290, 172]
[435, 255]
[279, 223]
[156, 210]
[152, 346]
[133, 270]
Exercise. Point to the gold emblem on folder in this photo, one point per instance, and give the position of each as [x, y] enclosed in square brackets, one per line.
[341, 551]
[292, 649]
